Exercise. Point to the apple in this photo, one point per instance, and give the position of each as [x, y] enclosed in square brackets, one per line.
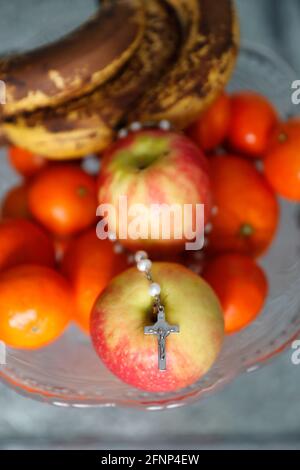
[125, 308]
[154, 167]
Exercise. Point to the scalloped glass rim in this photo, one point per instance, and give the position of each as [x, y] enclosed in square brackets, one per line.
[68, 373]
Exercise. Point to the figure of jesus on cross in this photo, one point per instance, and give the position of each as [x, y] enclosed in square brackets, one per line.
[162, 330]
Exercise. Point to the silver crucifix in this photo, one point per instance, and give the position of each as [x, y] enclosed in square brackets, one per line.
[162, 330]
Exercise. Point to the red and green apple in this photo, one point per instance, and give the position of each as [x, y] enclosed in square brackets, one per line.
[125, 308]
[150, 168]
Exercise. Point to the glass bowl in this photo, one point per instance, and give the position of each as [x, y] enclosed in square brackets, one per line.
[68, 373]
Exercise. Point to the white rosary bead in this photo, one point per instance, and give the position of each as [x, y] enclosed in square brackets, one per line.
[214, 210]
[118, 248]
[144, 265]
[130, 259]
[112, 236]
[198, 255]
[135, 126]
[208, 228]
[91, 165]
[196, 268]
[122, 133]
[259, 165]
[140, 255]
[165, 125]
[154, 289]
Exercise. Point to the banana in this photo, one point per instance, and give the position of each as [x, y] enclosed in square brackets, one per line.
[156, 82]
[88, 124]
[203, 68]
[76, 64]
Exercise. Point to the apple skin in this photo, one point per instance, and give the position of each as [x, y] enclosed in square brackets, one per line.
[125, 308]
[155, 167]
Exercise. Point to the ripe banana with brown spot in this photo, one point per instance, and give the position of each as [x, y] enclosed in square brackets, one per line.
[203, 68]
[88, 124]
[76, 64]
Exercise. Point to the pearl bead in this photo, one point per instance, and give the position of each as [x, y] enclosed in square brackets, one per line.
[135, 126]
[259, 165]
[154, 289]
[140, 255]
[118, 249]
[91, 165]
[112, 236]
[144, 265]
[195, 268]
[208, 228]
[130, 259]
[198, 255]
[165, 125]
[214, 210]
[122, 133]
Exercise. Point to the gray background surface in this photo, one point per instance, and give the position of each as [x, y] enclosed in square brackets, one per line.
[258, 410]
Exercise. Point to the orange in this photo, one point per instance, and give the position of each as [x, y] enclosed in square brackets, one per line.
[63, 198]
[211, 129]
[25, 163]
[15, 203]
[241, 286]
[252, 121]
[246, 210]
[35, 306]
[22, 241]
[90, 264]
[282, 160]
[285, 131]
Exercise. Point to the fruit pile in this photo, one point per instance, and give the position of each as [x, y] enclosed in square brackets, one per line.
[139, 62]
[235, 159]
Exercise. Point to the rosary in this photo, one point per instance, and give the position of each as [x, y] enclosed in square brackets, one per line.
[161, 329]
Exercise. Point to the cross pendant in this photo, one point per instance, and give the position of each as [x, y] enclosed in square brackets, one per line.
[162, 330]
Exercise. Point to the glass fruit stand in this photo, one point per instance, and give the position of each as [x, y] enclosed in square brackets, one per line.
[68, 372]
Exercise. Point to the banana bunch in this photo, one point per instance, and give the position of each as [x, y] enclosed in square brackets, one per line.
[136, 60]
[78, 63]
